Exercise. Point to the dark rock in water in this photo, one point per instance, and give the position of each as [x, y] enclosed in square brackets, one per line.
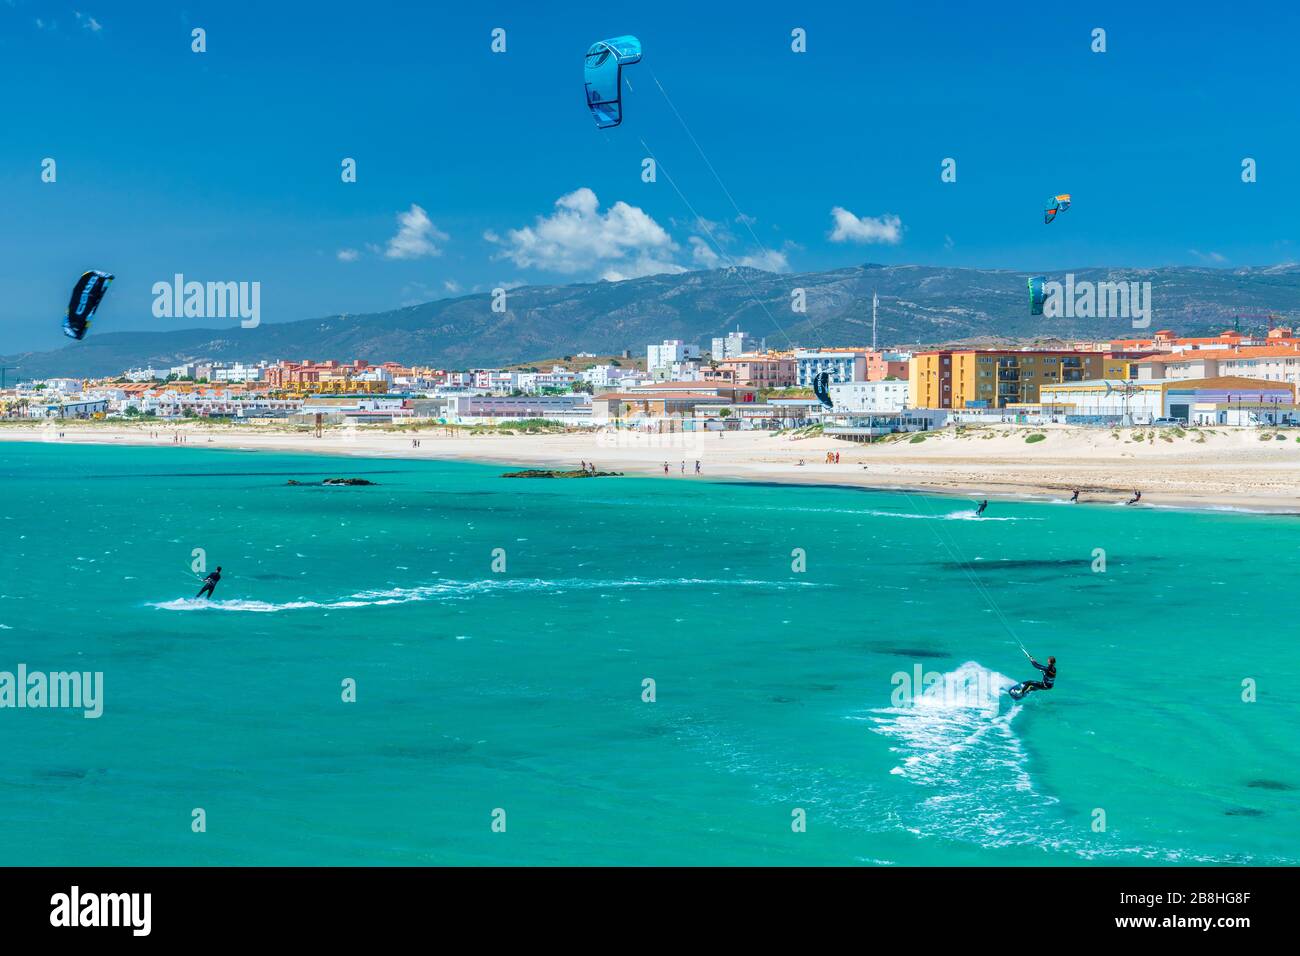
[919, 652]
[1243, 812]
[333, 481]
[548, 473]
[1270, 785]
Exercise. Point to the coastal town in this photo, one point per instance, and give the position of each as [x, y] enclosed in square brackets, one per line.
[731, 383]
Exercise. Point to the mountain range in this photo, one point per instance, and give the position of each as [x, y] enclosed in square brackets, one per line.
[917, 305]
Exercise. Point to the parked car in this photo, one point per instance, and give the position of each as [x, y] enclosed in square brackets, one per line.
[1163, 422]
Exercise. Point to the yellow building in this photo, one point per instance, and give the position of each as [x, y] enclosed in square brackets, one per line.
[990, 378]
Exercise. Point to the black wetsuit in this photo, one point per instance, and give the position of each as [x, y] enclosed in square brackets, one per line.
[209, 584]
[1074, 497]
[980, 510]
[1049, 677]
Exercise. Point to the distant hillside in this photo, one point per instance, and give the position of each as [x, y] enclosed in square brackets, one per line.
[918, 304]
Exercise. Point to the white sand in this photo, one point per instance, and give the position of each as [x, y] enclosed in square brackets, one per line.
[1221, 467]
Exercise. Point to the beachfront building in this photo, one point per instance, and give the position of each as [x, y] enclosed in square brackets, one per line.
[72, 407]
[1222, 400]
[174, 401]
[726, 390]
[745, 416]
[661, 408]
[499, 409]
[992, 378]
[843, 365]
[878, 396]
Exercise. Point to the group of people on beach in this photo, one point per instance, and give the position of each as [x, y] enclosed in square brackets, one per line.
[697, 467]
[1137, 496]
[588, 466]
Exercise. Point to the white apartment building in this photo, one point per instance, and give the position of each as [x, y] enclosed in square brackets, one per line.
[670, 352]
[1271, 363]
[882, 396]
[733, 345]
[608, 376]
[844, 365]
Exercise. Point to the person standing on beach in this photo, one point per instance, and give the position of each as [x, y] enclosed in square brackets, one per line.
[697, 466]
[210, 583]
[665, 468]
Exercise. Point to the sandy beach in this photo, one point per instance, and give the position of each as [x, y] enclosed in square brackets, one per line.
[1248, 469]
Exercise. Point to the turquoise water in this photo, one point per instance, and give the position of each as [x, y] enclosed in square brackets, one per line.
[523, 690]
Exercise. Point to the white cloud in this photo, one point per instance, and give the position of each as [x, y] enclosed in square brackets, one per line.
[451, 285]
[769, 260]
[88, 22]
[706, 256]
[703, 253]
[886, 229]
[348, 255]
[623, 242]
[416, 236]
[1208, 256]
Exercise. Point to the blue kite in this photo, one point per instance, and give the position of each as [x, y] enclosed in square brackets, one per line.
[603, 77]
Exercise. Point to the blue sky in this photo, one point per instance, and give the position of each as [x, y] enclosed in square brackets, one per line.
[225, 165]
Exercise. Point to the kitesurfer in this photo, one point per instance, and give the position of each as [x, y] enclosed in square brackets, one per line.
[1075, 497]
[1137, 496]
[1049, 677]
[980, 510]
[210, 583]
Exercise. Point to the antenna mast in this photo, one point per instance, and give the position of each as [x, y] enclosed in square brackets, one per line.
[875, 300]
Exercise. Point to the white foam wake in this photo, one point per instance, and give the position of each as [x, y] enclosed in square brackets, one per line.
[969, 515]
[956, 741]
[461, 590]
[953, 724]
